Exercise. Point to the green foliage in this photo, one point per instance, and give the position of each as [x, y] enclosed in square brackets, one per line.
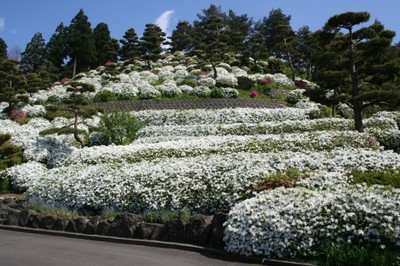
[165, 216]
[244, 83]
[108, 214]
[358, 255]
[105, 96]
[385, 178]
[10, 154]
[279, 179]
[3, 50]
[188, 81]
[50, 210]
[130, 46]
[106, 47]
[53, 111]
[12, 83]
[81, 43]
[150, 43]
[121, 127]
[182, 38]
[34, 55]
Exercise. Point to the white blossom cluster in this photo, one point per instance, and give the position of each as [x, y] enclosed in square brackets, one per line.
[290, 222]
[223, 116]
[162, 147]
[205, 183]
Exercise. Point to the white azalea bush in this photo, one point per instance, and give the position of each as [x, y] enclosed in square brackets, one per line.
[291, 222]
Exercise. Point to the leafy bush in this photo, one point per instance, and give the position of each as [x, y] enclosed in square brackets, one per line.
[98, 139]
[121, 127]
[245, 83]
[53, 111]
[385, 178]
[105, 96]
[10, 154]
[188, 81]
[357, 255]
[279, 179]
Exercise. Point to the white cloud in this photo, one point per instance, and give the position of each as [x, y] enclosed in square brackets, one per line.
[163, 21]
[2, 24]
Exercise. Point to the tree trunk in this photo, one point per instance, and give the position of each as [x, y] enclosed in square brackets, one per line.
[214, 69]
[355, 88]
[76, 135]
[74, 68]
[334, 110]
[358, 119]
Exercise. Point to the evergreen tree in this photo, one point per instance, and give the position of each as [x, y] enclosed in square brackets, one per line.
[105, 45]
[306, 50]
[150, 43]
[34, 55]
[34, 83]
[81, 43]
[12, 83]
[129, 46]
[56, 48]
[280, 37]
[3, 50]
[211, 35]
[238, 31]
[254, 48]
[182, 38]
[356, 62]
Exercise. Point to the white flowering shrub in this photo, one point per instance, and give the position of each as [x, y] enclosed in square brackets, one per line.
[227, 80]
[169, 89]
[298, 219]
[201, 91]
[148, 92]
[186, 89]
[295, 95]
[207, 82]
[34, 110]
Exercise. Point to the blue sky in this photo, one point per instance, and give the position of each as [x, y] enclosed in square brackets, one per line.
[21, 19]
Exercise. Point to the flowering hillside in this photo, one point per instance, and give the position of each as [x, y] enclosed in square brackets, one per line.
[211, 160]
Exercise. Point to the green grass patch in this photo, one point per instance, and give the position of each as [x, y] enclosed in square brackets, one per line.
[386, 178]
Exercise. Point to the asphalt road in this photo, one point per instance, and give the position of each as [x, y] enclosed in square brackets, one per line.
[17, 248]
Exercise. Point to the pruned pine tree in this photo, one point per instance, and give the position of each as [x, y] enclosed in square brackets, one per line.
[151, 43]
[356, 65]
[211, 35]
[12, 84]
[130, 49]
[182, 38]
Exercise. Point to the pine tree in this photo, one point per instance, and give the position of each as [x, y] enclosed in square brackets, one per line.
[81, 43]
[280, 37]
[3, 50]
[238, 31]
[182, 38]
[150, 43]
[12, 84]
[34, 55]
[34, 83]
[306, 50]
[56, 48]
[105, 45]
[358, 64]
[211, 35]
[254, 48]
[129, 46]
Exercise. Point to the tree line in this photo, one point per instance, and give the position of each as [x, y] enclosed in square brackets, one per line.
[357, 67]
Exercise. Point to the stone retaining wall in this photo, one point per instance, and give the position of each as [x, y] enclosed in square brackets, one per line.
[200, 230]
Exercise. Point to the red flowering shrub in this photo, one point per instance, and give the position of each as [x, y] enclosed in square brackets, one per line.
[17, 113]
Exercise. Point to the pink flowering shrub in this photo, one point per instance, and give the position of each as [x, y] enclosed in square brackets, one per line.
[64, 80]
[300, 83]
[110, 64]
[17, 114]
[253, 93]
[266, 81]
